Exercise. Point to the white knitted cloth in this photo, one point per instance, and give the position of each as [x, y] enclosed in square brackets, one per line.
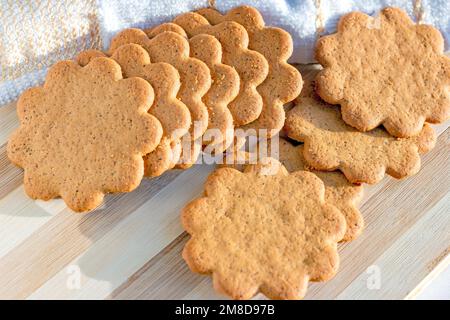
[35, 35]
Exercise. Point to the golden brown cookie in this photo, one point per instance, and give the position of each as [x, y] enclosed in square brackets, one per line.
[190, 152]
[195, 76]
[338, 190]
[267, 233]
[251, 66]
[330, 144]
[170, 111]
[79, 139]
[284, 82]
[385, 70]
[224, 88]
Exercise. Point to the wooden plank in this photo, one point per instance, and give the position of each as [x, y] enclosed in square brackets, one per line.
[8, 121]
[53, 246]
[11, 176]
[120, 252]
[19, 218]
[405, 264]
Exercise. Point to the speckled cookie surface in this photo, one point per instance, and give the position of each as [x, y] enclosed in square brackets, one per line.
[78, 139]
[195, 76]
[284, 82]
[253, 236]
[385, 70]
[330, 144]
[170, 111]
[224, 87]
[251, 66]
[338, 190]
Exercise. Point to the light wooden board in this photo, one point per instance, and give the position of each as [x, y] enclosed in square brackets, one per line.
[130, 248]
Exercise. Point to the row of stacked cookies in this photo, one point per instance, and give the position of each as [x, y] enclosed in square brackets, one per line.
[233, 74]
[273, 225]
[205, 76]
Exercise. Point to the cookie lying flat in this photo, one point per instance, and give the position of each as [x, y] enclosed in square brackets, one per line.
[195, 76]
[251, 66]
[262, 233]
[284, 82]
[224, 87]
[338, 190]
[385, 70]
[79, 139]
[171, 112]
[330, 144]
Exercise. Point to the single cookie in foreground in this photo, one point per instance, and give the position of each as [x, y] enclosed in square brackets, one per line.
[263, 233]
[79, 139]
[339, 191]
[363, 157]
[385, 70]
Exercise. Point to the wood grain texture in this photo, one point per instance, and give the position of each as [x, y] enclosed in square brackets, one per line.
[130, 248]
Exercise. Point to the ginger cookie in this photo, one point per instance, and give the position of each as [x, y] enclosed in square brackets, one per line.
[385, 70]
[251, 66]
[79, 139]
[195, 76]
[224, 87]
[263, 233]
[338, 190]
[330, 144]
[284, 82]
[171, 112]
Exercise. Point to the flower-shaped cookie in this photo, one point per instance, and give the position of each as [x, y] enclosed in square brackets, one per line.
[224, 86]
[338, 190]
[284, 82]
[173, 114]
[267, 233]
[330, 144]
[84, 133]
[172, 48]
[385, 70]
[251, 66]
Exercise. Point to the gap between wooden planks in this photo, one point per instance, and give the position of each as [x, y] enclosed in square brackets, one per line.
[131, 247]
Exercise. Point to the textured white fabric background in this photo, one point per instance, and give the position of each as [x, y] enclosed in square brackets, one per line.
[36, 34]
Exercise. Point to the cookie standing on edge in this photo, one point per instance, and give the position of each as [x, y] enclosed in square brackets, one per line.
[252, 235]
[224, 87]
[284, 82]
[251, 66]
[78, 139]
[195, 78]
[170, 111]
[363, 157]
[385, 70]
